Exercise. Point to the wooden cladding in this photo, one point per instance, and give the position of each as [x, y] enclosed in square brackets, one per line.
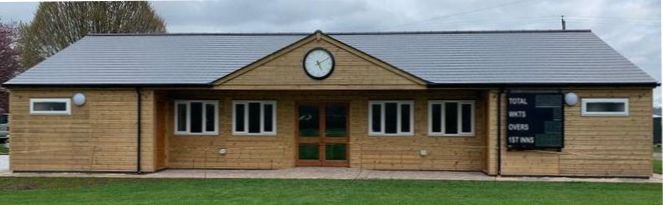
[364, 151]
[100, 135]
[353, 71]
[593, 146]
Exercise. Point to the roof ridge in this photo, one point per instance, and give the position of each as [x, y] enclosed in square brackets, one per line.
[459, 32]
[200, 34]
[341, 33]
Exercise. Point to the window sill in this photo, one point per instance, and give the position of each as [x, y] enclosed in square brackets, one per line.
[603, 115]
[196, 134]
[452, 136]
[254, 134]
[51, 113]
[394, 135]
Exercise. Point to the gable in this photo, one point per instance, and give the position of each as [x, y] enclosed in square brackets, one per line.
[353, 70]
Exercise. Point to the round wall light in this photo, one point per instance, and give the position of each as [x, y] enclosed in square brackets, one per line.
[79, 99]
[571, 99]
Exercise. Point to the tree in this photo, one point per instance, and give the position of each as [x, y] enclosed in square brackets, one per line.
[9, 58]
[58, 24]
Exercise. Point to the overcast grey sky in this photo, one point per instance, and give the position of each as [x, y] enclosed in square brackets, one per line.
[632, 27]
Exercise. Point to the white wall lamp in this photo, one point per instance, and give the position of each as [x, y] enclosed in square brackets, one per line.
[223, 151]
[571, 99]
[79, 99]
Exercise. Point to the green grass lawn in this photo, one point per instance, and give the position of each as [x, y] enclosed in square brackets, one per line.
[657, 148]
[255, 191]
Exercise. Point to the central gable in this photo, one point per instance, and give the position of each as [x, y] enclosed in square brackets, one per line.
[354, 70]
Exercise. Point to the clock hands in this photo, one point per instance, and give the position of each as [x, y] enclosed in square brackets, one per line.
[318, 64]
[322, 59]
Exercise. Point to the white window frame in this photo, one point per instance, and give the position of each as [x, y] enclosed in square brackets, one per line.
[382, 117]
[67, 110]
[585, 101]
[204, 115]
[443, 105]
[262, 117]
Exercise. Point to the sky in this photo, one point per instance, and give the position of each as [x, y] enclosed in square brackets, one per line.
[632, 27]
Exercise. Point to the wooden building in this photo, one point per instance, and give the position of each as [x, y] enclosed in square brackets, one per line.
[525, 103]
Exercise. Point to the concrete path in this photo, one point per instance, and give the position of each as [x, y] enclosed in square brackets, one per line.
[332, 173]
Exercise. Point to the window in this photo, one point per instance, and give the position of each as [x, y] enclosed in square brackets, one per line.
[390, 118]
[605, 107]
[451, 118]
[50, 106]
[196, 117]
[4, 119]
[254, 117]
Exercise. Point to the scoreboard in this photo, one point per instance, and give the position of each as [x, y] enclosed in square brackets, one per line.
[535, 121]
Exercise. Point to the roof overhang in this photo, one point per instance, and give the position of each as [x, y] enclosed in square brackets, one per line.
[108, 85]
[435, 85]
[498, 85]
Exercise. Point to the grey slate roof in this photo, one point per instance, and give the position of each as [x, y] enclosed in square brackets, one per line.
[481, 57]
[152, 59]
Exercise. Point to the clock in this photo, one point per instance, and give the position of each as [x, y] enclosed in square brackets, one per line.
[318, 63]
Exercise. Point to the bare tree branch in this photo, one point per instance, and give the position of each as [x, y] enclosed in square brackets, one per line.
[58, 24]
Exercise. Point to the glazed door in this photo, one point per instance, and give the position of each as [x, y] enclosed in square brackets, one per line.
[322, 134]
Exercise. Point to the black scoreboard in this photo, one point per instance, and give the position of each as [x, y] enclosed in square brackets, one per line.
[535, 121]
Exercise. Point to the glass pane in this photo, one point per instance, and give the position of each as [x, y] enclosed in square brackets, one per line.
[405, 117]
[605, 107]
[467, 117]
[254, 117]
[336, 121]
[196, 117]
[335, 152]
[268, 124]
[181, 117]
[436, 116]
[451, 118]
[210, 114]
[390, 117]
[239, 117]
[548, 139]
[50, 106]
[376, 117]
[309, 121]
[548, 100]
[309, 151]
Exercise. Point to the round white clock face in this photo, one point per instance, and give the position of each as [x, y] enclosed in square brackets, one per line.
[318, 63]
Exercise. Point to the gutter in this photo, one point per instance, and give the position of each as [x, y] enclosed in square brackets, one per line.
[106, 85]
[499, 132]
[538, 85]
[138, 128]
[428, 85]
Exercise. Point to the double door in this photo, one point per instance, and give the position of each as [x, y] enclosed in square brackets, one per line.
[322, 134]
